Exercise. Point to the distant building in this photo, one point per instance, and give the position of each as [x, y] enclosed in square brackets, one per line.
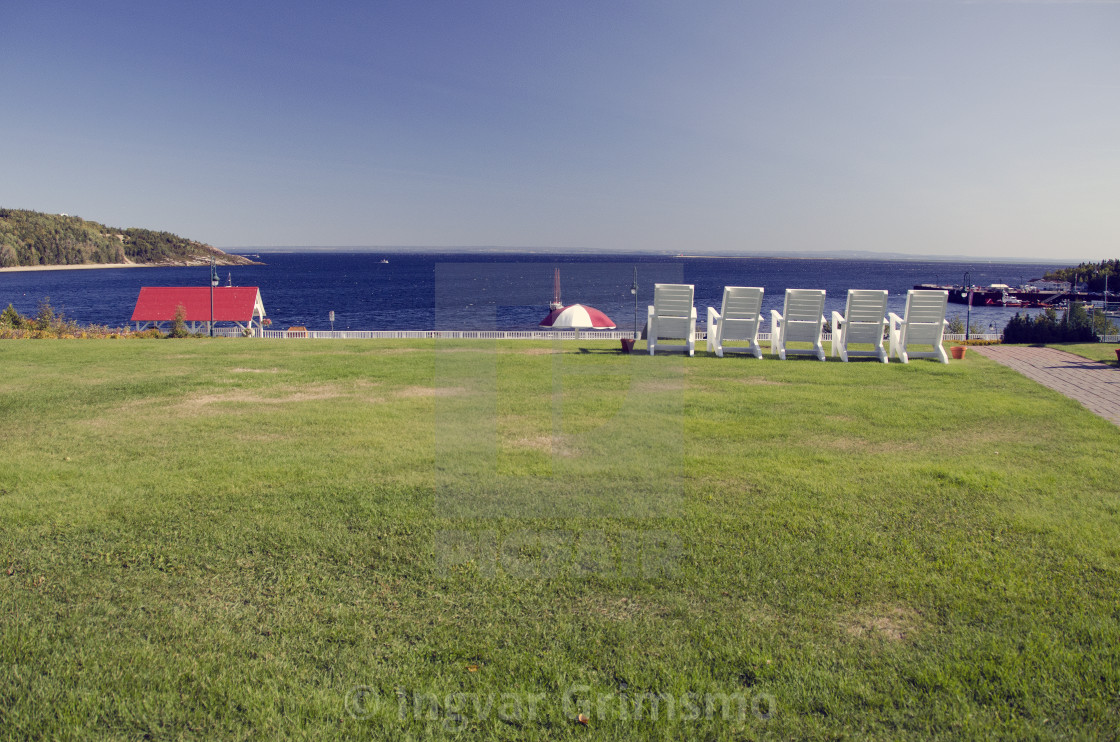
[157, 305]
[1040, 284]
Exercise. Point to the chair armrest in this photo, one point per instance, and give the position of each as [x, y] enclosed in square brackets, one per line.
[894, 334]
[776, 320]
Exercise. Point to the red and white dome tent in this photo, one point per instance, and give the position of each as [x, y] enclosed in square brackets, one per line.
[574, 316]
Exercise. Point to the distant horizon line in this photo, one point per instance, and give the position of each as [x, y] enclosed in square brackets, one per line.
[793, 255]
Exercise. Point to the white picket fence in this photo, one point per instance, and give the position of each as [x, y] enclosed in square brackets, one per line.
[433, 334]
[441, 334]
[959, 337]
[701, 335]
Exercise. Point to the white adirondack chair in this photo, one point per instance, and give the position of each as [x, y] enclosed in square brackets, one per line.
[801, 320]
[924, 324]
[864, 322]
[738, 319]
[672, 316]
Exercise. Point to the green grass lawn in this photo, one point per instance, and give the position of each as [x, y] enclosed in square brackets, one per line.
[1105, 352]
[233, 539]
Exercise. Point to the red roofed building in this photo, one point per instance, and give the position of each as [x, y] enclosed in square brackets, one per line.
[241, 305]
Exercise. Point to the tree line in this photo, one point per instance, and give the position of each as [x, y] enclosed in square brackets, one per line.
[1092, 273]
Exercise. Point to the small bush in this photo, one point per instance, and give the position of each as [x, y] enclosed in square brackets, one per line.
[44, 318]
[49, 324]
[1074, 327]
[179, 326]
[11, 319]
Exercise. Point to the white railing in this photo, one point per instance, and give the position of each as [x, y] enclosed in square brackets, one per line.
[228, 332]
[511, 335]
[960, 336]
[446, 334]
[701, 335]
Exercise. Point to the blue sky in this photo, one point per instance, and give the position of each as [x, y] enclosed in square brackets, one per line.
[988, 128]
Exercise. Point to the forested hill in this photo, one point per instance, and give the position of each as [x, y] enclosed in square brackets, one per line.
[1097, 275]
[33, 238]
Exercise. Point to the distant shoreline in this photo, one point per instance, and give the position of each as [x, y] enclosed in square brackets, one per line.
[76, 267]
[261, 251]
[92, 266]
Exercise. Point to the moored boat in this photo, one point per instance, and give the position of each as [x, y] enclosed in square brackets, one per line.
[997, 295]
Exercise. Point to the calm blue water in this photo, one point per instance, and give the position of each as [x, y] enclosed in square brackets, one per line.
[490, 291]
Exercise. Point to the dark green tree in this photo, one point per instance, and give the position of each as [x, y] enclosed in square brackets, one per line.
[179, 326]
[11, 318]
[45, 317]
[1046, 327]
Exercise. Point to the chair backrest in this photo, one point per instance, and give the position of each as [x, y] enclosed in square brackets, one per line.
[672, 299]
[865, 315]
[804, 314]
[672, 306]
[740, 312]
[924, 322]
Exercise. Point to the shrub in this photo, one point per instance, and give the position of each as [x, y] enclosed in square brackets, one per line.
[1073, 327]
[179, 326]
[1102, 325]
[51, 324]
[44, 318]
[11, 319]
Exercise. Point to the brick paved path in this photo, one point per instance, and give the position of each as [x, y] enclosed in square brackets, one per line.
[1095, 385]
